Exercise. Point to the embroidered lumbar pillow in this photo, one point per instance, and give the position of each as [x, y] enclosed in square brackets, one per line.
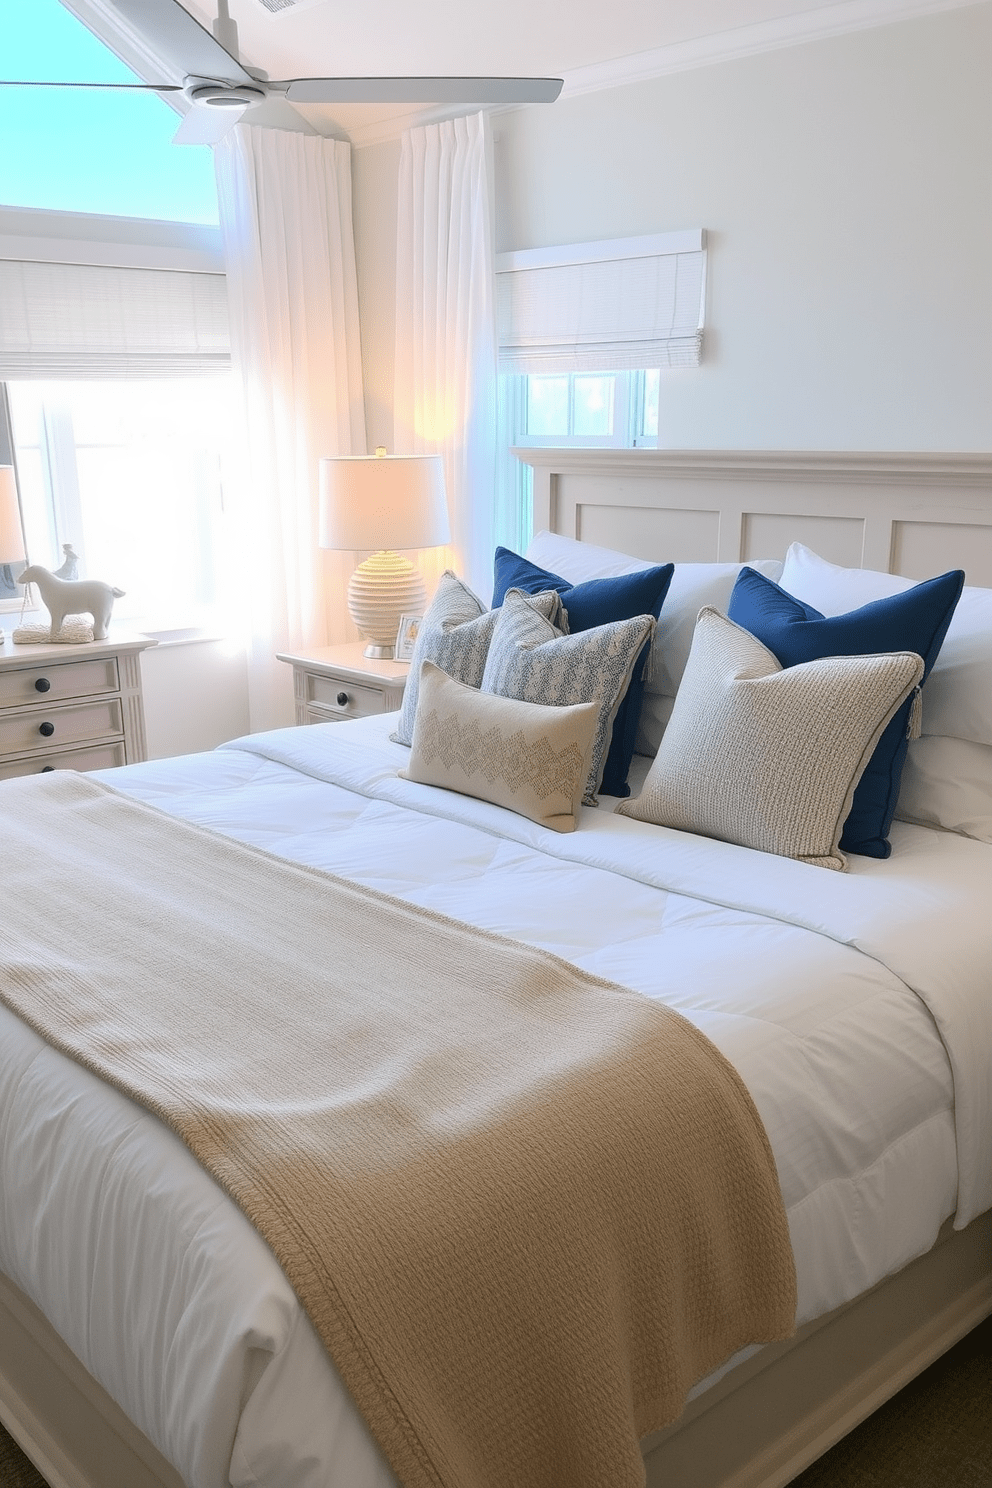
[531, 759]
[454, 635]
[531, 659]
[767, 756]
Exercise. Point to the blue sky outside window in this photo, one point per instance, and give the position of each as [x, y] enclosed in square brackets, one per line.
[81, 150]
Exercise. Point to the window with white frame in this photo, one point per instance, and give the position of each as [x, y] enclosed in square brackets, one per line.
[586, 333]
[604, 409]
[119, 407]
[130, 474]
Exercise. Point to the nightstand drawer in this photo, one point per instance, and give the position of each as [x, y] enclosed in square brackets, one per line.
[42, 729]
[97, 757]
[344, 699]
[52, 683]
[334, 683]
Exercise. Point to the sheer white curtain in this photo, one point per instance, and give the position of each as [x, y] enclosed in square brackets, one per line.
[444, 398]
[285, 211]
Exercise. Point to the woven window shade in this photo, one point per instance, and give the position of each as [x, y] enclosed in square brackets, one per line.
[602, 307]
[76, 321]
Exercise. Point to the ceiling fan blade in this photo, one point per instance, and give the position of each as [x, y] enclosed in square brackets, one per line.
[103, 87]
[172, 34]
[421, 90]
[205, 126]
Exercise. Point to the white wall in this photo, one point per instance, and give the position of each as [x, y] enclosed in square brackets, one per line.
[846, 186]
[195, 694]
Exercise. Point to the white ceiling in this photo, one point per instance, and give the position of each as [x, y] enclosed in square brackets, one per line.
[589, 43]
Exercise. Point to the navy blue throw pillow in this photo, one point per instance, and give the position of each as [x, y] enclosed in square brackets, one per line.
[915, 620]
[597, 602]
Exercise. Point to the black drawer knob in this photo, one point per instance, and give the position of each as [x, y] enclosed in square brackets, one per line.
[45, 769]
[42, 684]
[342, 699]
[46, 728]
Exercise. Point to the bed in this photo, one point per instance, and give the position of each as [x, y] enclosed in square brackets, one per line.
[886, 1196]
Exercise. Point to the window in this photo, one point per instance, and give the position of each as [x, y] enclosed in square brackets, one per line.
[115, 385]
[132, 475]
[115, 354]
[584, 331]
[618, 409]
[613, 410]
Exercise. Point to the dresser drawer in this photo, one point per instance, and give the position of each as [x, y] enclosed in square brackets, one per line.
[96, 757]
[68, 679]
[326, 694]
[42, 729]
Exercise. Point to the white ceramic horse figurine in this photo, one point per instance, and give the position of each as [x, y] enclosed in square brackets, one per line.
[73, 597]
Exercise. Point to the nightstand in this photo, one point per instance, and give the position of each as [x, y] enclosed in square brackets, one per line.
[332, 683]
[71, 707]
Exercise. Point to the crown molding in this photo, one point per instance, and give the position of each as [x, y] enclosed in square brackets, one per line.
[703, 51]
[748, 41]
[381, 131]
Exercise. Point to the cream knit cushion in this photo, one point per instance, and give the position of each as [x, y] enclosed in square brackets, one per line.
[766, 756]
[455, 635]
[531, 759]
[530, 658]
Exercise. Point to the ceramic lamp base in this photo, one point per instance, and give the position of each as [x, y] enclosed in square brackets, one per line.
[380, 590]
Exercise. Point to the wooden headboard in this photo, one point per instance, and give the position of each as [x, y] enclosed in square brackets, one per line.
[910, 514]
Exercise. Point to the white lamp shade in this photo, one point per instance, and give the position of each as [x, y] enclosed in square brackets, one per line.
[383, 502]
[11, 536]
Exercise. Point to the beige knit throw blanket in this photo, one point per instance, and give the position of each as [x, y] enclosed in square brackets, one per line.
[525, 1208]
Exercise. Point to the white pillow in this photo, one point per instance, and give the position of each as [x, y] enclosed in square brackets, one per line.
[693, 587]
[948, 783]
[957, 698]
[578, 561]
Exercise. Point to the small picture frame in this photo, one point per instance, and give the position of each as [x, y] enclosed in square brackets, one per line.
[406, 636]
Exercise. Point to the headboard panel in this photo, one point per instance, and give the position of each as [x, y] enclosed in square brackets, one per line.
[913, 514]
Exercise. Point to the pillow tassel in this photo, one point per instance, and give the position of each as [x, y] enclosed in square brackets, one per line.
[914, 724]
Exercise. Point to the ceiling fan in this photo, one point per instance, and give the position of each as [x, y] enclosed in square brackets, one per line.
[208, 73]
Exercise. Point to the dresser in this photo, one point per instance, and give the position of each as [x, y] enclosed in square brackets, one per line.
[71, 707]
[331, 683]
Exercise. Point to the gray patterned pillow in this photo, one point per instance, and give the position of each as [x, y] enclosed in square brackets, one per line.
[530, 759]
[455, 635]
[766, 756]
[532, 659]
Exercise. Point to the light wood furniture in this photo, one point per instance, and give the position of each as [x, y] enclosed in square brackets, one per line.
[771, 1416]
[332, 683]
[71, 707]
[910, 514]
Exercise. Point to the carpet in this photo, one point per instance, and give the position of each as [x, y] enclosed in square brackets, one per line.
[936, 1433]
[15, 1469]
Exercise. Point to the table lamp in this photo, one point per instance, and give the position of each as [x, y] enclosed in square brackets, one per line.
[11, 534]
[383, 502]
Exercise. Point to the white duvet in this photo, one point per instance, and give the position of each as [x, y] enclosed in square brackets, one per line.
[855, 1006]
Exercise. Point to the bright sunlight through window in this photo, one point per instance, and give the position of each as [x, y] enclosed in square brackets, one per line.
[132, 475]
